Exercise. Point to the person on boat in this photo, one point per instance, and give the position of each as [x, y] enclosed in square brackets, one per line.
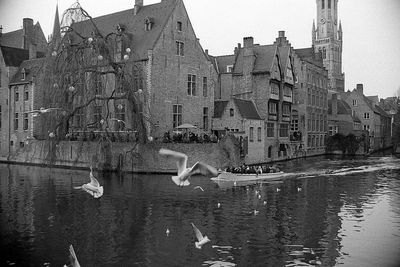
[259, 170]
[275, 168]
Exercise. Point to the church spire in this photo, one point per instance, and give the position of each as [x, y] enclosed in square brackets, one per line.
[56, 36]
[314, 36]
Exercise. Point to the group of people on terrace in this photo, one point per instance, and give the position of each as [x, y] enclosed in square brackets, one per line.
[189, 137]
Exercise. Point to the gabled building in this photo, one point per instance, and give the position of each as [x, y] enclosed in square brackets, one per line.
[373, 118]
[342, 119]
[15, 47]
[22, 87]
[240, 118]
[264, 75]
[165, 74]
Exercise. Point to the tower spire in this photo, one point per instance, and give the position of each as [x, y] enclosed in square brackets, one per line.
[56, 36]
[314, 36]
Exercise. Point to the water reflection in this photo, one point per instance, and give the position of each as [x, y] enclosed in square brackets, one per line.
[351, 219]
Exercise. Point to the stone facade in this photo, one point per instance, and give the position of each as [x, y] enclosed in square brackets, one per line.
[128, 157]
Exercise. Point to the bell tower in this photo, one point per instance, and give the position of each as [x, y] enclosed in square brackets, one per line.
[327, 39]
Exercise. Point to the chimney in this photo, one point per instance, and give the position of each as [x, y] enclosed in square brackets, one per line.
[138, 5]
[360, 88]
[281, 40]
[27, 26]
[32, 51]
[206, 52]
[248, 41]
[1, 30]
[334, 105]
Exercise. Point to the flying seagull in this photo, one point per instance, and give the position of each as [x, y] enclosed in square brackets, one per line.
[93, 187]
[183, 172]
[42, 110]
[72, 257]
[198, 187]
[201, 239]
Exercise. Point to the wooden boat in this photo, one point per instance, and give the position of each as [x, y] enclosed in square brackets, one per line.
[229, 179]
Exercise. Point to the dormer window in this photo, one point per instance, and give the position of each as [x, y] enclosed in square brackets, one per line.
[229, 68]
[179, 26]
[148, 23]
[121, 28]
[23, 74]
[231, 112]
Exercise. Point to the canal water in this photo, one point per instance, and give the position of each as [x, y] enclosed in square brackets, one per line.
[330, 212]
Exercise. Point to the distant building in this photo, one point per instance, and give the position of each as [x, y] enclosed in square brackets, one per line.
[342, 119]
[327, 39]
[391, 105]
[373, 118]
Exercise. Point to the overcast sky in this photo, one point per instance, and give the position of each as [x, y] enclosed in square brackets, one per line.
[371, 29]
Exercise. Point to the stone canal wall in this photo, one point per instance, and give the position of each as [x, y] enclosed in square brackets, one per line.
[129, 157]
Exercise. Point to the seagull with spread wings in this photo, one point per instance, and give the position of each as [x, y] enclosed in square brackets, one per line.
[93, 187]
[72, 257]
[42, 110]
[201, 239]
[184, 173]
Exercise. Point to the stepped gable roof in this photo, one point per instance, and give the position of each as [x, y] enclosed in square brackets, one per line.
[224, 61]
[142, 40]
[247, 109]
[219, 108]
[32, 68]
[13, 57]
[308, 55]
[264, 58]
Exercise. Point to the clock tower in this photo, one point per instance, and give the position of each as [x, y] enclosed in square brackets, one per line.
[327, 38]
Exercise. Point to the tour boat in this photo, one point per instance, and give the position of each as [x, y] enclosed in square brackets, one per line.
[228, 179]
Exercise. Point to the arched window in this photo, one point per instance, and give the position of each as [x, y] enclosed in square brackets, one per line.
[329, 3]
[324, 53]
[323, 4]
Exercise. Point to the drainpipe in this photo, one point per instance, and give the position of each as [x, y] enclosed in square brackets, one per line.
[9, 123]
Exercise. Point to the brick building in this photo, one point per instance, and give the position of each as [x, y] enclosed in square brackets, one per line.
[312, 99]
[263, 74]
[171, 76]
[240, 117]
